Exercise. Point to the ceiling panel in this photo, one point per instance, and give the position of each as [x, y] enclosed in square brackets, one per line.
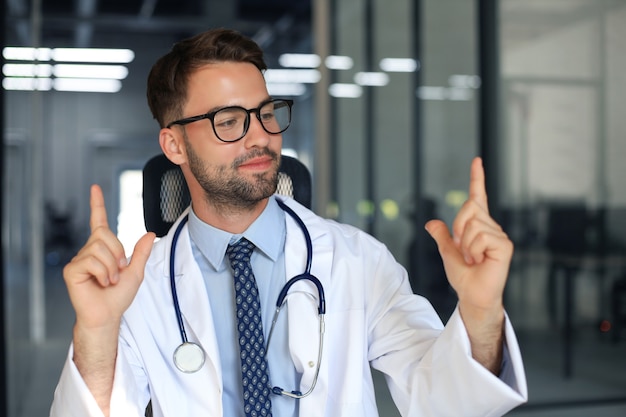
[84, 23]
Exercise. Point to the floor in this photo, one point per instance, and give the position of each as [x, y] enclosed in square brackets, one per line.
[596, 386]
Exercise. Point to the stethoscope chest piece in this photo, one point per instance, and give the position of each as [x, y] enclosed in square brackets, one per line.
[189, 357]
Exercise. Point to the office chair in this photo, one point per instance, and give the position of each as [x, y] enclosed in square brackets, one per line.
[166, 196]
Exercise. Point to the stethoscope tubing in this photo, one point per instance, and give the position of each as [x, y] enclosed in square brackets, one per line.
[179, 316]
[309, 260]
[306, 275]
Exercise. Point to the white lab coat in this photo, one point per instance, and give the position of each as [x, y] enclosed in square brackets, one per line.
[372, 317]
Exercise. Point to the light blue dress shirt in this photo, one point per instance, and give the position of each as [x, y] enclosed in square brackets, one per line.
[268, 233]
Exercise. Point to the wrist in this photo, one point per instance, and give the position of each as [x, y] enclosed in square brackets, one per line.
[483, 316]
[485, 330]
[94, 347]
[95, 353]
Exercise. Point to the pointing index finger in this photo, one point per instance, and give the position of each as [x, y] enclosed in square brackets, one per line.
[477, 189]
[98, 210]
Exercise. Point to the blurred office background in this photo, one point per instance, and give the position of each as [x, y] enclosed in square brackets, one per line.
[393, 99]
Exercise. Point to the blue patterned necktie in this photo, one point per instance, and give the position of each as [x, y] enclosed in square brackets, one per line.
[254, 369]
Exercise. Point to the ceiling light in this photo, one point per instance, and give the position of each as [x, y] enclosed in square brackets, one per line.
[87, 85]
[338, 62]
[27, 70]
[299, 60]
[444, 93]
[103, 55]
[67, 77]
[120, 56]
[432, 93]
[27, 84]
[307, 76]
[398, 65]
[117, 72]
[286, 89]
[341, 90]
[26, 54]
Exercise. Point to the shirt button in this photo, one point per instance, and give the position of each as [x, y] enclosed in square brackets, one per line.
[311, 364]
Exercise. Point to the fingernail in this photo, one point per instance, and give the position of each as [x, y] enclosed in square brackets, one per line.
[123, 262]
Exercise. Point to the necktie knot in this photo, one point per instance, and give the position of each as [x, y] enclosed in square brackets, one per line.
[240, 251]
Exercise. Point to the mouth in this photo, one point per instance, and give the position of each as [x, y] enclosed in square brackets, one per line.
[258, 163]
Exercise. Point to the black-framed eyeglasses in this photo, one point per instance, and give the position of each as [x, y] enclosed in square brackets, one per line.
[231, 123]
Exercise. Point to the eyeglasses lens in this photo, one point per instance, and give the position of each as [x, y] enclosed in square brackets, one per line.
[232, 123]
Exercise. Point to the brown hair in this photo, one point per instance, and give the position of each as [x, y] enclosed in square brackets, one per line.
[167, 81]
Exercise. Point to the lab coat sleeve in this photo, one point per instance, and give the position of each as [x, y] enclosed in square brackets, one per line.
[447, 381]
[429, 369]
[476, 389]
[72, 397]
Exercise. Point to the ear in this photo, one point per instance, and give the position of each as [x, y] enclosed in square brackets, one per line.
[172, 145]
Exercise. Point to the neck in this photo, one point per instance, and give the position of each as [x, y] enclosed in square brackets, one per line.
[230, 218]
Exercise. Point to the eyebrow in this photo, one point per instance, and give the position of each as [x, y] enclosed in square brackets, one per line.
[218, 108]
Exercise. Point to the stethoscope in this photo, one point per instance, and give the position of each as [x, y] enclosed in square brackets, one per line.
[189, 357]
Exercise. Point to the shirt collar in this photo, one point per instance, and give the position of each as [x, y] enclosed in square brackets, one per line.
[267, 233]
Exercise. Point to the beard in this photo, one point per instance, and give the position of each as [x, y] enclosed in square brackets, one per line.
[223, 186]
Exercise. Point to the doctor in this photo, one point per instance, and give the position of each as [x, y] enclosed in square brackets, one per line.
[126, 329]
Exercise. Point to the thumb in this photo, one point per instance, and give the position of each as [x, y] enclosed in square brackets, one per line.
[440, 233]
[141, 253]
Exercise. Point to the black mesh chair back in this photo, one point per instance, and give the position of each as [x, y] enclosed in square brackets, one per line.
[294, 180]
[166, 196]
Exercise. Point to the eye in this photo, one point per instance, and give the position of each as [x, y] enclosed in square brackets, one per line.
[267, 115]
[225, 123]
[229, 118]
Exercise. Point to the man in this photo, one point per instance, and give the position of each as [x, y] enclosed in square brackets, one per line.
[126, 332]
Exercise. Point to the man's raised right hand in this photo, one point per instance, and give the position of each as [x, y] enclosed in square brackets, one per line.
[100, 281]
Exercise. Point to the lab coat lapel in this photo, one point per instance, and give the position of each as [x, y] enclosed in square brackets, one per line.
[302, 308]
[194, 303]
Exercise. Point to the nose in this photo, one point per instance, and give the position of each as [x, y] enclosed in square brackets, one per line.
[256, 134]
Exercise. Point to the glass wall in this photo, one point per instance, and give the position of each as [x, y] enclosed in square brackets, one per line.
[559, 176]
[403, 146]
[562, 93]
[372, 131]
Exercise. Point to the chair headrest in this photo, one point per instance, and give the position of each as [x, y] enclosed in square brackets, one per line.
[166, 195]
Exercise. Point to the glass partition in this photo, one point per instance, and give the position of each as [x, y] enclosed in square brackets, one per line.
[562, 91]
